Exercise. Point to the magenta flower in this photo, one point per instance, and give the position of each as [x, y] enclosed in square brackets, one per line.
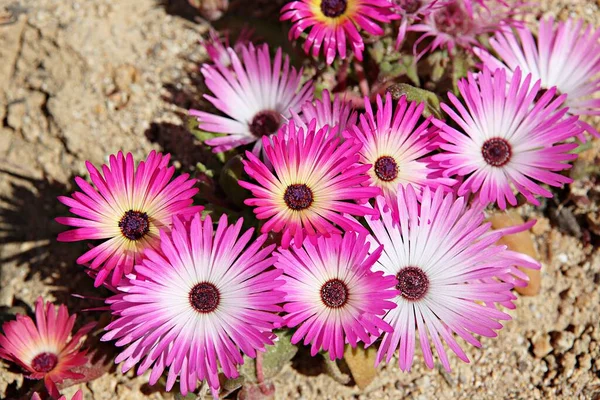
[508, 141]
[337, 115]
[197, 303]
[256, 95]
[563, 55]
[334, 22]
[397, 149]
[455, 25]
[44, 348]
[440, 253]
[314, 181]
[126, 208]
[333, 297]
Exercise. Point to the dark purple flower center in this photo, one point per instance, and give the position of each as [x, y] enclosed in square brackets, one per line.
[265, 123]
[386, 168]
[334, 293]
[204, 297]
[44, 362]
[412, 283]
[496, 152]
[333, 8]
[298, 197]
[134, 224]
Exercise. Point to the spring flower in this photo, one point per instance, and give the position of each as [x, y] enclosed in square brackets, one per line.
[256, 95]
[332, 294]
[455, 26]
[217, 46]
[196, 303]
[396, 148]
[338, 115]
[563, 55]
[43, 348]
[314, 180]
[334, 22]
[440, 253]
[126, 208]
[507, 142]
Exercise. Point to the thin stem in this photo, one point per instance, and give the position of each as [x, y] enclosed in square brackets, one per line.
[363, 84]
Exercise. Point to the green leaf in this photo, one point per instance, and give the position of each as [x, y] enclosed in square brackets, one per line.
[432, 102]
[275, 358]
[231, 173]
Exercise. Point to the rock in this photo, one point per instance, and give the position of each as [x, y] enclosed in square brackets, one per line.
[16, 112]
[542, 346]
[362, 364]
[567, 364]
[563, 341]
[124, 76]
[521, 242]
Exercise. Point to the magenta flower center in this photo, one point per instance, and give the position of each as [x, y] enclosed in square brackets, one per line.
[298, 197]
[134, 225]
[44, 362]
[333, 8]
[204, 297]
[496, 152]
[334, 293]
[265, 123]
[386, 168]
[412, 283]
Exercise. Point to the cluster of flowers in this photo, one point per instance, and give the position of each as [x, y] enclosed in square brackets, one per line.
[378, 217]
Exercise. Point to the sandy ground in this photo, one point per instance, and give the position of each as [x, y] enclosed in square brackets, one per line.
[83, 79]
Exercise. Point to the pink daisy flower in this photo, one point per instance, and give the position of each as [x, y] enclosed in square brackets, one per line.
[126, 208]
[507, 142]
[454, 25]
[44, 348]
[314, 180]
[564, 55]
[257, 95]
[334, 22]
[440, 253]
[332, 294]
[396, 148]
[337, 115]
[196, 303]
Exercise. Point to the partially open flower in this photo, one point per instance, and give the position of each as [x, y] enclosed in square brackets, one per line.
[454, 25]
[337, 115]
[333, 22]
[44, 348]
[565, 55]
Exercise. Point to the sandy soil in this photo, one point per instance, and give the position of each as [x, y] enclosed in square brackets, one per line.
[83, 79]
